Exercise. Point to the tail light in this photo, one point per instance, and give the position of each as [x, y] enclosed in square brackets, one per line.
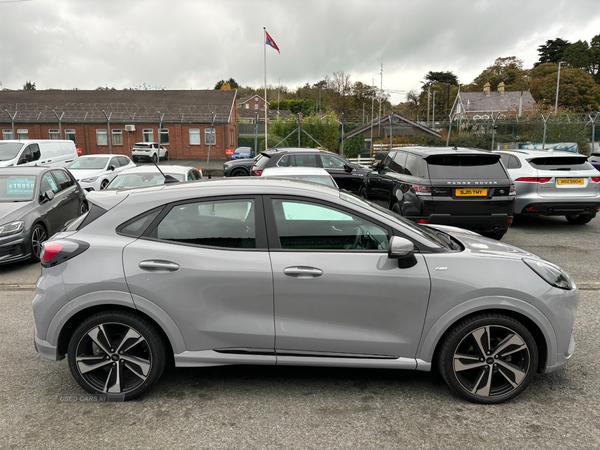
[421, 189]
[57, 252]
[596, 179]
[257, 173]
[534, 179]
[421, 220]
[199, 168]
[513, 190]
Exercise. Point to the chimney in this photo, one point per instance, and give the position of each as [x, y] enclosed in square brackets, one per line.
[501, 88]
[486, 89]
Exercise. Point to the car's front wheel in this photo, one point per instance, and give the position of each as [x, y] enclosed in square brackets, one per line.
[488, 358]
[580, 219]
[104, 184]
[37, 237]
[239, 173]
[363, 193]
[116, 352]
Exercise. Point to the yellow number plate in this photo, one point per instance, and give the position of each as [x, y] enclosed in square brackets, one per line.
[570, 181]
[471, 192]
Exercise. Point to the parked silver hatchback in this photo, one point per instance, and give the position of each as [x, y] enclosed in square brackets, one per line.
[276, 272]
[553, 183]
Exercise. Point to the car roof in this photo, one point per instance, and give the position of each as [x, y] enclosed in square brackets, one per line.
[153, 169]
[108, 155]
[27, 170]
[282, 171]
[296, 150]
[144, 143]
[541, 153]
[434, 151]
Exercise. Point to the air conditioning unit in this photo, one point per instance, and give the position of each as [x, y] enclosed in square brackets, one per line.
[129, 127]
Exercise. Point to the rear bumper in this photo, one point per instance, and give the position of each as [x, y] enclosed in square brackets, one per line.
[554, 208]
[46, 349]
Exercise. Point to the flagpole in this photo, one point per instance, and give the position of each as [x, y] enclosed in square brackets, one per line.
[265, 49]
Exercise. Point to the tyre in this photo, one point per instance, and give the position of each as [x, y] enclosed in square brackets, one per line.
[84, 208]
[154, 158]
[396, 209]
[580, 219]
[134, 159]
[116, 352]
[104, 184]
[495, 234]
[239, 173]
[37, 237]
[363, 193]
[166, 158]
[488, 358]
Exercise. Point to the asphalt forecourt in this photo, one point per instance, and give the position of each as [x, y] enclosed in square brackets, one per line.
[300, 408]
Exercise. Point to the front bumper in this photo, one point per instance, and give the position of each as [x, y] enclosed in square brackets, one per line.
[14, 248]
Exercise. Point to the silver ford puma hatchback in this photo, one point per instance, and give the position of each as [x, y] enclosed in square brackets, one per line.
[276, 272]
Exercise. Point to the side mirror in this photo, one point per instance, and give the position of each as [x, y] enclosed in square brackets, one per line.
[111, 167]
[375, 165]
[403, 250]
[48, 195]
[347, 168]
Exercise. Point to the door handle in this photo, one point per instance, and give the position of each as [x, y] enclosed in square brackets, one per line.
[159, 266]
[302, 272]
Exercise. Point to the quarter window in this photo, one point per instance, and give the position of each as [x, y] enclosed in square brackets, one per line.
[415, 166]
[223, 223]
[310, 226]
[298, 161]
[101, 137]
[194, 136]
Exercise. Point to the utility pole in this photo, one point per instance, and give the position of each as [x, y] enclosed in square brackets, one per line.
[342, 135]
[256, 134]
[557, 86]
[372, 116]
[108, 137]
[213, 137]
[433, 120]
[545, 125]
[428, 102]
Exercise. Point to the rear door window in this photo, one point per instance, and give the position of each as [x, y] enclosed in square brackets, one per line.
[398, 163]
[465, 166]
[62, 179]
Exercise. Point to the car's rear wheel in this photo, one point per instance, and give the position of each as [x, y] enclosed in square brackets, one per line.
[488, 358]
[580, 219]
[239, 173]
[135, 159]
[495, 234]
[154, 158]
[37, 237]
[396, 209]
[116, 352]
[166, 158]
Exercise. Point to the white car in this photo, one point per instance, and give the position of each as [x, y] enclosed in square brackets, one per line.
[95, 172]
[312, 174]
[150, 150]
[150, 176]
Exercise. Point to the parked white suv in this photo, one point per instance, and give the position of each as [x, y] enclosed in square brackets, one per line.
[151, 150]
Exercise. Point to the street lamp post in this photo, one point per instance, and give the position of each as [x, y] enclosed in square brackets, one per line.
[557, 86]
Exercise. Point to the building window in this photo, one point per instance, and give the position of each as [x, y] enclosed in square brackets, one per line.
[23, 134]
[117, 137]
[256, 106]
[194, 136]
[231, 138]
[7, 134]
[247, 106]
[101, 137]
[148, 135]
[164, 136]
[210, 136]
[54, 134]
[70, 135]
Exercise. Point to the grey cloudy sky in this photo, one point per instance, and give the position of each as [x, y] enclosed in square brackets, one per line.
[185, 44]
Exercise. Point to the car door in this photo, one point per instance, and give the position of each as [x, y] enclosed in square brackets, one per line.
[206, 265]
[338, 169]
[68, 194]
[336, 292]
[382, 183]
[56, 211]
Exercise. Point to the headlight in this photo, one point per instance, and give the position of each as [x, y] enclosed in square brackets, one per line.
[11, 228]
[89, 179]
[552, 274]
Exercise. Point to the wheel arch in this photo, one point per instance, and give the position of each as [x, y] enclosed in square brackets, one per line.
[537, 324]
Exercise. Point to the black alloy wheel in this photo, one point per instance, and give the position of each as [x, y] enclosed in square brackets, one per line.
[488, 358]
[154, 158]
[84, 208]
[116, 352]
[37, 237]
[239, 173]
[104, 184]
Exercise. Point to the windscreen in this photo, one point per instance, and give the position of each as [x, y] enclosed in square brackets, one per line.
[561, 163]
[9, 150]
[17, 188]
[465, 166]
[135, 180]
[89, 163]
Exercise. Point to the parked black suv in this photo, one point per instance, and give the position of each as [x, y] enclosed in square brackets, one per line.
[347, 175]
[461, 187]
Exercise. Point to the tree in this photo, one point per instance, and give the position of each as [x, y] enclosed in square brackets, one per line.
[229, 84]
[440, 77]
[508, 70]
[577, 89]
[552, 51]
[29, 86]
